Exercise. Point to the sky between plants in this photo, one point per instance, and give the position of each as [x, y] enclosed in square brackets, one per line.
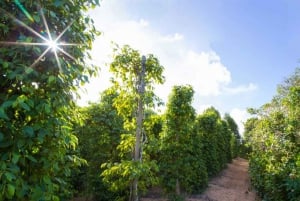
[233, 52]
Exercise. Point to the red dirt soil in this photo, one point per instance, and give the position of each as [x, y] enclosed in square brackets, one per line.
[232, 184]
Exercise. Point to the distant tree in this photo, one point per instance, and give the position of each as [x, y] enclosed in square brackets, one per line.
[293, 81]
[232, 125]
[36, 101]
[226, 148]
[236, 139]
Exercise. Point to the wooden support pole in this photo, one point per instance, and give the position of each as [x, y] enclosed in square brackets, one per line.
[139, 124]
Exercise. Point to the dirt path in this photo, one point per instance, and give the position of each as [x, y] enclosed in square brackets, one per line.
[232, 184]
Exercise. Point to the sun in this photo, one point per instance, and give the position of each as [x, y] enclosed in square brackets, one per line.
[53, 45]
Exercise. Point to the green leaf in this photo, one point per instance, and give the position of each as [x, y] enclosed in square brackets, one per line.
[29, 39]
[20, 143]
[31, 158]
[28, 70]
[1, 136]
[9, 176]
[25, 106]
[47, 180]
[47, 108]
[5, 64]
[29, 131]
[7, 104]
[3, 115]
[10, 190]
[58, 3]
[37, 50]
[51, 79]
[55, 198]
[30, 103]
[52, 14]
[15, 158]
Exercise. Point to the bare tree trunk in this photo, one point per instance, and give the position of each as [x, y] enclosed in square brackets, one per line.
[139, 125]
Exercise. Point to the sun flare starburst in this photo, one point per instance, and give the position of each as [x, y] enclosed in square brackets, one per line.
[52, 44]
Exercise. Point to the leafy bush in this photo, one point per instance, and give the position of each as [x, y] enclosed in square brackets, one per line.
[273, 137]
[36, 101]
[99, 136]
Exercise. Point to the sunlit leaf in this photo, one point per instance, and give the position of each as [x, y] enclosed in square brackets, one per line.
[10, 190]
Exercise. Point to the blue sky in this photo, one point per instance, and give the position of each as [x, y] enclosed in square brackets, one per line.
[233, 52]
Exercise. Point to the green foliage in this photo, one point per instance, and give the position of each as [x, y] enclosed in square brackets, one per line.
[99, 136]
[181, 167]
[217, 140]
[192, 148]
[36, 103]
[198, 178]
[102, 142]
[274, 139]
[126, 67]
[122, 174]
[153, 125]
[236, 138]
[226, 134]
[207, 127]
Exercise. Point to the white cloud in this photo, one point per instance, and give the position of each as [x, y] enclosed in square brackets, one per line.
[172, 38]
[203, 70]
[241, 88]
[240, 116]
[143, 23]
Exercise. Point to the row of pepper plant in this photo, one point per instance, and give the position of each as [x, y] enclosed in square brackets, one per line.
[180, 149]
[37, 88]
[273, 135]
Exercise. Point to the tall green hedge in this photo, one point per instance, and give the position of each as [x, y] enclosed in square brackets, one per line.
[274, 138]
[192, 148]
[36, 101]
[99, 136]
[176, 147]
[216, 140]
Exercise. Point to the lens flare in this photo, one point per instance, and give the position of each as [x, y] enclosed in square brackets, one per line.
[52, 44]
[21, 7]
